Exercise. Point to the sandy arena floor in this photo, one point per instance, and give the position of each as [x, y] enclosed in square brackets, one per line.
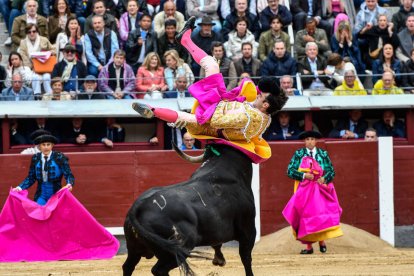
[356, 253]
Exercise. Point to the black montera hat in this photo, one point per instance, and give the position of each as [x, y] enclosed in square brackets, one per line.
[45, 138]
[269, 85]
[310, 133]
[38, 133]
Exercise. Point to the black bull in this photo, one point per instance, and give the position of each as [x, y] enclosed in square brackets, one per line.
[214, 206]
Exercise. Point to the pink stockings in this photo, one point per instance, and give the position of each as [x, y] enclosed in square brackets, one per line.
[171, 116]
[207, 62]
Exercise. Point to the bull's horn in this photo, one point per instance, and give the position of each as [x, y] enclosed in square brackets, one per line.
[189, 158]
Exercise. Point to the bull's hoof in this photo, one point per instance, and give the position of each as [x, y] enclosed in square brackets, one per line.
[219, 261]
[143, 110]
[189, 25]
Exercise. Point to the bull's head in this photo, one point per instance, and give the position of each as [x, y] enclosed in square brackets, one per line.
[189, 158]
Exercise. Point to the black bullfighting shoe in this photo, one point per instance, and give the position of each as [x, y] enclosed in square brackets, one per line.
[323, 248]
[189, 25]
[306, 251]
[143, 110]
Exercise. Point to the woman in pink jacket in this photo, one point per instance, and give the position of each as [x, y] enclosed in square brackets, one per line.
[150, 78]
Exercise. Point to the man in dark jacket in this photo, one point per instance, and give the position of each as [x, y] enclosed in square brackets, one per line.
[279, 62]
[140, 42]
[282, 128]
[399, 18]
[69, 70]
[167, 41]
[353, 127]
[247, 63]
[301, 10]
[99, 8]
[270, 11]
[239, 11]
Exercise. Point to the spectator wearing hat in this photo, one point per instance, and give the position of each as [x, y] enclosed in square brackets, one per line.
[204, 39]
[312, 34]
[47, 167]
[35, 149]
[199, 9]
[100, 45]
[167, 41]
[57, 92]
[140, 42]
[71, 35]
[168, 14]
[117, 79]
[89, 90]
[311, 168]
[241, 9]
[71, 71]
[17, 92]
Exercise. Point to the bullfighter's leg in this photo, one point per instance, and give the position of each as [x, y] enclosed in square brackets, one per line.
[164, 114]
[218, 256]
[209, 63]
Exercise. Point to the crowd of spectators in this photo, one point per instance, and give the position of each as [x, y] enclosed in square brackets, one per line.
[126, 49]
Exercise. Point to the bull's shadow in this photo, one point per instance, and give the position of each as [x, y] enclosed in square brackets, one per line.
[214, 206]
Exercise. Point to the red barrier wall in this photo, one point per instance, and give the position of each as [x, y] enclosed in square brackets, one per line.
[108, 182]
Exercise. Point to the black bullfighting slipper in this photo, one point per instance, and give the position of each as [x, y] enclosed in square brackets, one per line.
[306, 251]
[189, 25]
[323, 248]
[143, 110]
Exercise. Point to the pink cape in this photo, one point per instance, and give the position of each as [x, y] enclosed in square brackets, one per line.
[60, 230]
[314, 208]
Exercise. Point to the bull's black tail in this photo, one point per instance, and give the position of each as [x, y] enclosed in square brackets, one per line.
[171, 246]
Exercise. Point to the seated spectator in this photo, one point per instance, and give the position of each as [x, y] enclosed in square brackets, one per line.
[112, 133]
[200, 9]
[129, 20]
[241, 9]
[109, 21]
[389, 125]
[238, 36]
[387, 62]
[247, 63]
[150, 81]
[57, 92]
[226, 6]
[405, 37]
[350, 85]
[400, 17]
[378, 36]
[301, 12]
[16, 66]
[274, 9]
[312, 67]
[175, 66]
[31, 44]
[337, 66]
[100, 45]
[368, 15]
[35, 149]
[140, 43]
[69, 70]
[79, 8]
[16, 137]
[342, 44]
[180, 90]
[17, 92]
[371, 134]
[333, 8]
[188, 142]
[117, 78]
[226, 66]
[282, 128]
[268, 38]
[42, 123]
[286, 85]
[311, 34]
[122, 6]
[58, 20]
[204, 39]
[279, 62]
[72, 35]
[167, 41]
[386, 85]
[168, 14]
[77, 133]
[352, 127]
[89, 91]
[21, 22]
[407, 77]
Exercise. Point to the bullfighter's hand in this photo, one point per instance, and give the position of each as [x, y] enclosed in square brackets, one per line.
[17, 189]
[309, 176]
[321, 180]
[180, 123]
[69, 187]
